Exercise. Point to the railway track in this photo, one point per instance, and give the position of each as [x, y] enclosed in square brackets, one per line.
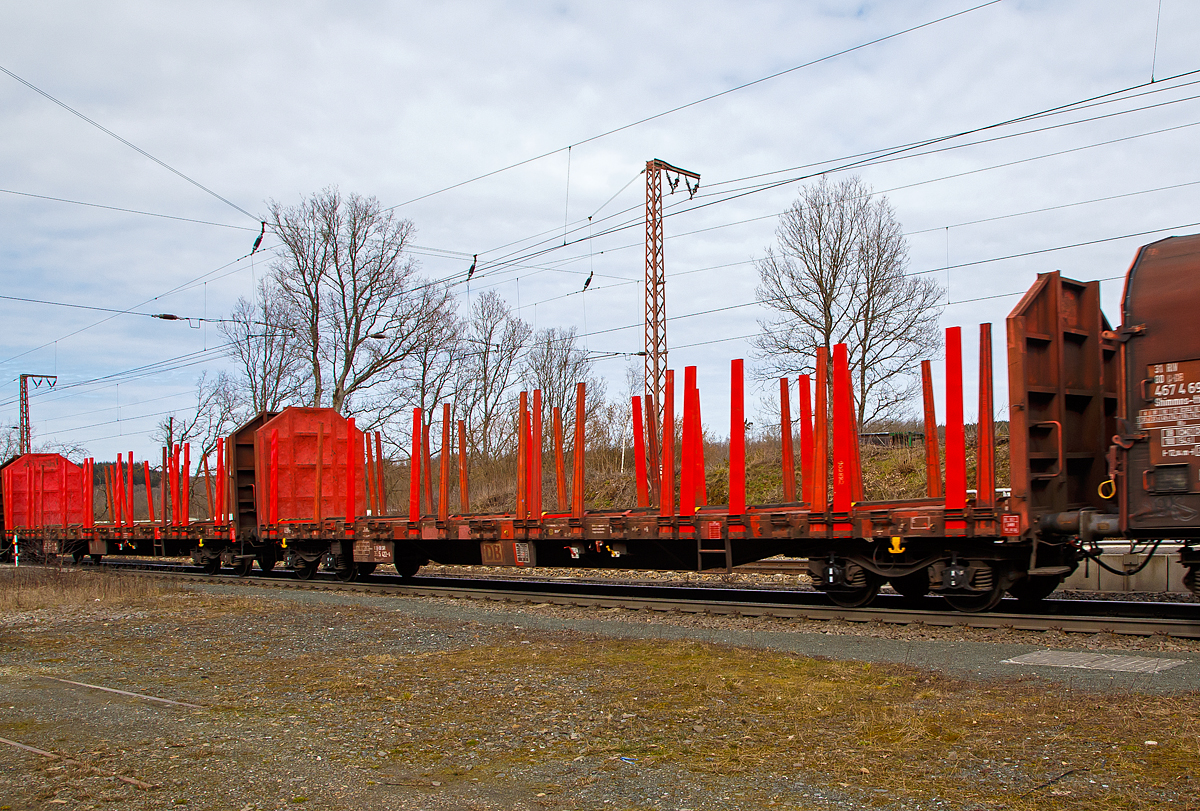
[1081, 616]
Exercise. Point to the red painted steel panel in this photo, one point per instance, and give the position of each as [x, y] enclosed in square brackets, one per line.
[297, 484]
[39, 487]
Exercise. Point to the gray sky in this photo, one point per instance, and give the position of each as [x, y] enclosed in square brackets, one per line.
[278, 100]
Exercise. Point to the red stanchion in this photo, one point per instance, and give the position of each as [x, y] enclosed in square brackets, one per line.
[806, 439]
[933, 462]
[956, 452]
[414, 465]
[639, 454]
[737, 440]
[351, 455]
[985, 458]
[522, 462]
[666, 490]
[785, 433]
[687, 468]
[535, 471]
[843, 418]
[444, 473]
[820, 502]
[464, 495]
[577, 484]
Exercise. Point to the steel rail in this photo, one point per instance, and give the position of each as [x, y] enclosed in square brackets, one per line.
[1077, 616]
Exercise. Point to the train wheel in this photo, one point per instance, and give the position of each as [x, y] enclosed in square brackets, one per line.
[346, 574]
[211, 566]
[407, 568]
[242, 567]
[77, 557]
[1034, 588]
[365, 569]
[306, 570]
[266, 560]
[860, 595]
[980, 601]
[912, 586]
[96, 559]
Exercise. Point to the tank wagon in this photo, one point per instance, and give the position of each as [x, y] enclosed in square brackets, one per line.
[1104, 433]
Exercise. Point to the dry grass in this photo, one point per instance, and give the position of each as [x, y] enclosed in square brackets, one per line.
[35, 587]
[884, 730]
[492, 701]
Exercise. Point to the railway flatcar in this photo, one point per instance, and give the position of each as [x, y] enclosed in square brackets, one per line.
[1104, 433]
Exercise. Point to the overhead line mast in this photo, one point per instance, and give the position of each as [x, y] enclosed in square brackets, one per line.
[24, 425]
[656, 288]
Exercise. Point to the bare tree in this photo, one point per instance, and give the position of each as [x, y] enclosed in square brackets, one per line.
[496, 340]
[555, 363]
[262, 338]
[838, 276]
[219, 409]
[361, 310]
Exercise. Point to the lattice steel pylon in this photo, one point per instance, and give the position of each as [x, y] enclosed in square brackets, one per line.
[38, 380]
[656, 288]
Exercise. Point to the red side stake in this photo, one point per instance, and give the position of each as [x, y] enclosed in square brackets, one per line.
[427, 468]
[560, 465]
[577, 478]
[187, 484]
[806, 439]
[639, 454]
[414, 466]
[985, 459]
[785, 432]
[843, 419]
[700, 485]
[655, 470]
[222, 506]
[464, 495]
[381, 496]
[687, 484]
[149, 492]
[535, 506]
[530, 510]
[522, 454]
[956, 452]
[737, 439]
[352, 454]
[444, 474]
[820, 492]
[933, 461]
[666, 489]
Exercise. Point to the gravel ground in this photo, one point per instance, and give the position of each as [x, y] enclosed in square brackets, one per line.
[334, 700]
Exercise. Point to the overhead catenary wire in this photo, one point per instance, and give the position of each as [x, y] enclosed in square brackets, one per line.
[699, 101]
[127, 143]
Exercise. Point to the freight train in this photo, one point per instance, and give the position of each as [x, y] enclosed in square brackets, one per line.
[1104, 438]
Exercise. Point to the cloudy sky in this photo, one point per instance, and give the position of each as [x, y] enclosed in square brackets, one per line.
[273, 101]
